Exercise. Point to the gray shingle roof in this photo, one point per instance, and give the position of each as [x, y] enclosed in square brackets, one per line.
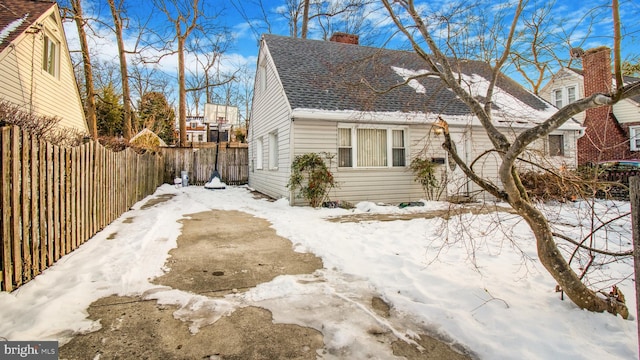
[334, 76]
[11, 10]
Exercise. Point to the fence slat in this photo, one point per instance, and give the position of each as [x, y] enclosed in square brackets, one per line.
[15, 208]
[7, 268]
[25, 177]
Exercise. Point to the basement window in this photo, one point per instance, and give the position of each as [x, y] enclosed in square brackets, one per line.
[556, 145]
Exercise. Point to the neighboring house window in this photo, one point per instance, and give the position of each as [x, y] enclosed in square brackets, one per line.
[634, 136]
[557, 98]
[556, 145]
[200, 137]
[193, 125]
[344, 148]
[50, 56]
[371, 147]
[564, 96]
[273, 150]
[259, 154]
[398, 147]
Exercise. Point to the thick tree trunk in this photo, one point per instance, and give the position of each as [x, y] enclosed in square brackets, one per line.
[90, 101]
[551, 258]
[124, 74]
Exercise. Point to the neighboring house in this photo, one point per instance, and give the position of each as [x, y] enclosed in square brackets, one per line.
[611, 132]
[196, 129]
[35, 66]
[336, 98]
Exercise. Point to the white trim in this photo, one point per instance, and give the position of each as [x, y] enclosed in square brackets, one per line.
[634, 138]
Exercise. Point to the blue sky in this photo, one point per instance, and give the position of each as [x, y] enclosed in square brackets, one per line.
[585, 24]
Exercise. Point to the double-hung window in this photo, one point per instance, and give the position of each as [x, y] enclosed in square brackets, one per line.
[634, 138]
[371, 147]
[273, 150]
[564, 96]
[50, 56]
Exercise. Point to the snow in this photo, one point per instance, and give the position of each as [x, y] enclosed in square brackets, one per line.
[509, 107]
[4, 33]
[487, 293]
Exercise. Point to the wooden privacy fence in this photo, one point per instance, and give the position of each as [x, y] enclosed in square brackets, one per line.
[54, 199]
[233, 164]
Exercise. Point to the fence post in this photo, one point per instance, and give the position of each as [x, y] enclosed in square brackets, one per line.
[634, 197]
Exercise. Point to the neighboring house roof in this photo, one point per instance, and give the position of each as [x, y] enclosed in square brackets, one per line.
[17, 15]
[334, 76]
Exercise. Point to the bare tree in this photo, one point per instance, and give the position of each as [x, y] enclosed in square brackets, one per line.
[116, 14]
[77, 15]
[424, 40]
[183, 16]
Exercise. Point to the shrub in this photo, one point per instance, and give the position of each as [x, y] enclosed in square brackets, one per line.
[311, 176]
[424, 173]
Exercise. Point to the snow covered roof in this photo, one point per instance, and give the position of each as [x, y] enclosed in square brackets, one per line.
[17, 15]
[329, 77]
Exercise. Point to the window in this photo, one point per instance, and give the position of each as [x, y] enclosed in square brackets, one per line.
[634, 137]
[398, 147]
[556, 145]
[200, 138]
[50, 56]
[262, 77]
[557, 98]
[259, 154]
[273, 150]
[369, 147]
[372, 147]
[344, 147]
[564, 96]
[571, 94]
[193, 124]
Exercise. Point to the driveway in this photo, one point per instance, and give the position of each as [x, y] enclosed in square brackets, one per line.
[220, 255]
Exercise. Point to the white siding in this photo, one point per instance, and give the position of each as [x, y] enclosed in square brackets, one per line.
[627, 111]
[270, 113]
[387, 185]
[563, 79]
[26, 84]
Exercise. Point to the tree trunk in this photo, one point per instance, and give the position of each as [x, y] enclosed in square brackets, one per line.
[305, 19]
[182, 92]
[555, 263]
[90, 101]
[126, 97]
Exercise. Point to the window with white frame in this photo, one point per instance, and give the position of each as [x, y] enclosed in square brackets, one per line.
[634, 138]
[371, 147]
[564, 96]
[273, 150]
[344, 147]
[556, 145]
[51, 54]
[397, 145]
[259, 153]
[262, 77]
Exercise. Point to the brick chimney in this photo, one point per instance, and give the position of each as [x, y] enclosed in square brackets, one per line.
[604, 138]
[345, 38]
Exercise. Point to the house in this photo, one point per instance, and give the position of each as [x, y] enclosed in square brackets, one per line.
[350, 104]
[35, 66]
[611, 132]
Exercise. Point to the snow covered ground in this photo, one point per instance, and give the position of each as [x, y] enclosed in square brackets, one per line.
[487, 292]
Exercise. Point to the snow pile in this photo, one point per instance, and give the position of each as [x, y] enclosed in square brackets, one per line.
[215, 183]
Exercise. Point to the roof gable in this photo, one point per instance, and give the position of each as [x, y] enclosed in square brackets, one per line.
[334, 76]
[16, 16]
